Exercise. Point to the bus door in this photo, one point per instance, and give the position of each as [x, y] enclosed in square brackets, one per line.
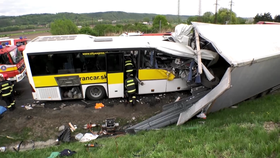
[115, 75]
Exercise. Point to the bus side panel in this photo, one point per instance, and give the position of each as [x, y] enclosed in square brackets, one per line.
[152, 74]
[152, 86]
[115, 85]
[47, 93]
[86, 78]
[176, 84]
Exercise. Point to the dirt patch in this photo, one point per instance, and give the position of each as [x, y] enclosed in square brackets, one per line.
[271, 126]
[42, 123]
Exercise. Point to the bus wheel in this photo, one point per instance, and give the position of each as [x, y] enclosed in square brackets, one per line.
[95, 92]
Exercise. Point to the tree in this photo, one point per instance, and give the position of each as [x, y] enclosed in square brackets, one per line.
[86, 30]
[223, 16]
[63, 27]
[208, 17]
[159, 21]
[263, 17]
[277, 18]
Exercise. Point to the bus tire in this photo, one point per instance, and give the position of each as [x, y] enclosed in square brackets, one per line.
[95, 92]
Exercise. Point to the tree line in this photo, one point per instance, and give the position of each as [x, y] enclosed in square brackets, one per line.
[117, 22]
[66, 26]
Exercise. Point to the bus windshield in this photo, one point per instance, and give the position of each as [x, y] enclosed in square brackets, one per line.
[16, 56]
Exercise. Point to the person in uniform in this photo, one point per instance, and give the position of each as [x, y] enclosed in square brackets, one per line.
[129, 65]
[130, 86]
[7, 93]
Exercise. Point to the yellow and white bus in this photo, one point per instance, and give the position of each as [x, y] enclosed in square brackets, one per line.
[87, 67]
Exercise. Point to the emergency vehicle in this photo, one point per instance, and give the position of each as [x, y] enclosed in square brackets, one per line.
[19, 42]
[12, 65]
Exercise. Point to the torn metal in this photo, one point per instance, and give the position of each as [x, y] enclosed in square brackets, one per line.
[233, 61]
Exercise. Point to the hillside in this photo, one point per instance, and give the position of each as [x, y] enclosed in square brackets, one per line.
[80, 19]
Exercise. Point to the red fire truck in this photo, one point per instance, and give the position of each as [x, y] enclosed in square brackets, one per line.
[19, 42]
[12, 65]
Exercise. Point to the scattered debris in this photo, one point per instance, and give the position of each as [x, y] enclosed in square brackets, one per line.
[64, 135]
[91, 145]
[99, 105]
[54, 155]
[178, 99]
[2, 149]
[234, 107]
[67, 152]
[2, 110]
[73, 128]
[89, 125]
[201, 115]
[110, 125]
[88, 137]
[79, 136]
[61, 128]
[28, 107]
[62, 106]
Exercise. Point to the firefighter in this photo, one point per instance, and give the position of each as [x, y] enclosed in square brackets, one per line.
[7, 93]
[130, 86]
[128, 65]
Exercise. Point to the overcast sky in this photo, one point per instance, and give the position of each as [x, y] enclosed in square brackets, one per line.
[243, 8]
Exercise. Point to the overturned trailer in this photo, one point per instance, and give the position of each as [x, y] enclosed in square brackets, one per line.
[247, 66]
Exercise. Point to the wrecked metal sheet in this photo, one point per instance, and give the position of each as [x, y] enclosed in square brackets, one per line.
[242, 44]
[248, 81]
[207, 99]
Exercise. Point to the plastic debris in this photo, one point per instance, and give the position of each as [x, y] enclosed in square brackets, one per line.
[28, 107]
[2, 149]
[178, 98]
[201, 115]
[2, 109]
[79, 136]
[88, 137]
[99, 105]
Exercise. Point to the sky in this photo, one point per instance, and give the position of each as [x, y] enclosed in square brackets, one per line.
[243, 8]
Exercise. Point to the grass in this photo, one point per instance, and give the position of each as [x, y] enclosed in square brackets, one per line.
[251, 130]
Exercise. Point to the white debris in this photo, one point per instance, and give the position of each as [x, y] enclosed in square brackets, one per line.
[61, 128]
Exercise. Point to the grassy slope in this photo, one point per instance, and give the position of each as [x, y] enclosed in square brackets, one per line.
[251, 130]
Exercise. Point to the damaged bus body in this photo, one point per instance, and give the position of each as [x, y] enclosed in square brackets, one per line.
[86, 67]
[249, 57]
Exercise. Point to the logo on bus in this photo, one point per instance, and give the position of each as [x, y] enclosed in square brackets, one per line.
[102, 77]
[3, 68]
[94, 53]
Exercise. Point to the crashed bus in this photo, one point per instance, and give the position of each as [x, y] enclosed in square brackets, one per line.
[86, 67]
[221, 65]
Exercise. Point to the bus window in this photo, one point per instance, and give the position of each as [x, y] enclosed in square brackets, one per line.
[115, 62]
[147, 59]
[93, 62]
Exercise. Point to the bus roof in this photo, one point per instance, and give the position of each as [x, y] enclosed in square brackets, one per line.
[44, 44]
